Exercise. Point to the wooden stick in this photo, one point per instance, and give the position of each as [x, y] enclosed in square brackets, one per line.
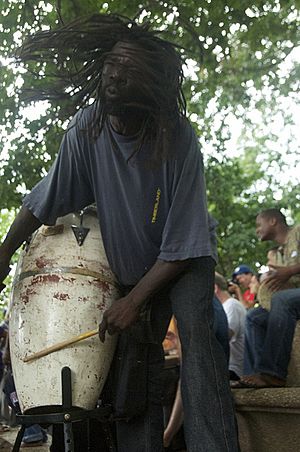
[60, 345]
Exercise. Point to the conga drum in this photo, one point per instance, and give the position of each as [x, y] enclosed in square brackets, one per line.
[63, 285]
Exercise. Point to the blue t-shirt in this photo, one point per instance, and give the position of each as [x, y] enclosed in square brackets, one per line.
[145, 213]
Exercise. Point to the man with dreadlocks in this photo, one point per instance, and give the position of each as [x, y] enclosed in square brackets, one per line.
[131, 150]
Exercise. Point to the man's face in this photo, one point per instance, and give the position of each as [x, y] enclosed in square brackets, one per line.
[244, 280]
[264, 228]
[121, 91]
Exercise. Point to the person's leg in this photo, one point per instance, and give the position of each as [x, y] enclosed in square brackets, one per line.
[255, 331]
[144, 430]
[34, 434]
[209, 421]
[284, 313]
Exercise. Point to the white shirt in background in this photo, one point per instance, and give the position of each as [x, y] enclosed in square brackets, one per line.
[236, 314]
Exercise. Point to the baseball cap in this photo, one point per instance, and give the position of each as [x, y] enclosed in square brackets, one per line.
[240, 270]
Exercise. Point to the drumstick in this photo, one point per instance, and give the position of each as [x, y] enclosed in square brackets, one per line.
[60, 345]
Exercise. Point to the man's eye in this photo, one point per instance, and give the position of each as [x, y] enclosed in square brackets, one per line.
[112, 61]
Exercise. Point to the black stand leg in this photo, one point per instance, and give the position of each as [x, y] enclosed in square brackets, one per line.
[67, 405]
[66, 386]
[68, 437]
[66, 416]
[19, 438]
[88, 435]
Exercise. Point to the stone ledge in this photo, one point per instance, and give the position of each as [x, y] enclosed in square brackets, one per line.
[268, 398]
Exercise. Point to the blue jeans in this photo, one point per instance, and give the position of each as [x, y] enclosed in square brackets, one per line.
[269, 335]
[208, 407]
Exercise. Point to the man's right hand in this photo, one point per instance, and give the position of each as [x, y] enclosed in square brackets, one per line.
[234, 289]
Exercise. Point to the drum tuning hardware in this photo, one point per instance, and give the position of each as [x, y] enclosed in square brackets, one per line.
[80, 232]
[26, 244]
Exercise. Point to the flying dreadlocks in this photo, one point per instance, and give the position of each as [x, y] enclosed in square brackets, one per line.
[75, 54]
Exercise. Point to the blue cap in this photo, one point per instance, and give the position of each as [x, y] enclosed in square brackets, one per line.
[241, 270]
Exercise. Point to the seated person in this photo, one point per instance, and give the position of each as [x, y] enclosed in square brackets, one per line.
[241, 278]
[269, 334]
[236, 314]
[254, 287]
[34, 435]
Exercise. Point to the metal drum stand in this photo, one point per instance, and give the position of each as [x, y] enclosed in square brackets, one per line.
[66, 416]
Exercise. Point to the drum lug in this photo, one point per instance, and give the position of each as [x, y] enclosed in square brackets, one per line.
[80, 232]
[26, 244]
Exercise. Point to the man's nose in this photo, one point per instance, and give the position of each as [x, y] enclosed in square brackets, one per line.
[117, 75]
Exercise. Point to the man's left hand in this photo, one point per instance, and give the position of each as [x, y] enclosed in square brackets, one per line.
[278, 277]
[118, 317]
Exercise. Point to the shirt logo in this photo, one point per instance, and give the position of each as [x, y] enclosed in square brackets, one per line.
[156, 204]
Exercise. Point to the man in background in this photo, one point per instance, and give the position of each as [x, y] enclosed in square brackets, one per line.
[241, 278]
[269, 332]
[236, 314]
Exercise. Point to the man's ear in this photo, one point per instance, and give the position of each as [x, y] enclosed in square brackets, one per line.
[216, 288]
[272, 221]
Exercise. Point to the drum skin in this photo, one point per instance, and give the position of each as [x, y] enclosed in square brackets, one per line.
[61, 290]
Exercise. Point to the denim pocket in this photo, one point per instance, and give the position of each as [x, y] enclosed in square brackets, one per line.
[130, 371]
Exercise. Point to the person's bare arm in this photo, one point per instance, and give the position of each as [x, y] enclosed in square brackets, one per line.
[235, 290]
[124, 312]
[23, 226]
[176, 418]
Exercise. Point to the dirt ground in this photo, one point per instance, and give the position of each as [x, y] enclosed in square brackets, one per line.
[7, 440]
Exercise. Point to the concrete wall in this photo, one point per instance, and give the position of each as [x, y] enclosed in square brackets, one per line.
[269, 419]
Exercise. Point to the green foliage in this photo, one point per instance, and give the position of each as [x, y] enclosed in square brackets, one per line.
[235, 49]
[235, 204]
[6, 218]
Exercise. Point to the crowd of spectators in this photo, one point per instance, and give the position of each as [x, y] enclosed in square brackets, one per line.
[255, 318]
[262, 310]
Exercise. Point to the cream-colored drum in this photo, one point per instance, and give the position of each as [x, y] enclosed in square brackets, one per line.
[61, 289]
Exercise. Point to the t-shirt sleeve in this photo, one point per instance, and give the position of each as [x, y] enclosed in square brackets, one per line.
[295, 253]
[67, 187]
[189, 231]
[292, 254]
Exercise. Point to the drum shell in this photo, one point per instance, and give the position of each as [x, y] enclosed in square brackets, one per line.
[61, 290]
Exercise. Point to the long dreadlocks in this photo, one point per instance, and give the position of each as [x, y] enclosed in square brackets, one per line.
[74, 55]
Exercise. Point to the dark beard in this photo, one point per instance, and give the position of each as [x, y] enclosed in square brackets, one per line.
[114, 108]
[120, 106]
